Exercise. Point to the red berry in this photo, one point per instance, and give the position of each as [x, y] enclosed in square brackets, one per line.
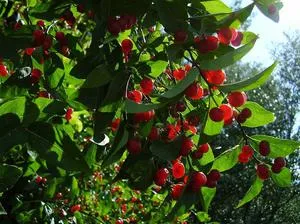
[246, 113]
[44, 94]
[58, 196]
[240, 118]
[147, 86]
[180, 37]
[115, 124]
[75, 208]
[154, 134]
[179, 74]
[68, 115]
[144, 116]
[262, 171]
[38, 37]
[171, 132]
[216, 114]
[135, 96]
[243, 158]
[211, 183]
[177, 190]
[214, 175]
[47, 43]
[38, 179]
[198, 180]
[44, 180]
[238, 40]
[114, 26]
[207, 44]
[3, 70]
[228, 112]
[134, 146]
[194, 91]
[119, 221]
[61, 38]
[127, 46]
[226, 34]
[187, 67]
[215, 77]
[264, 148]
[278, 164]
[80, 8]
[178, 170]
[272, 9]
[35, 75]
[40, 23]
[29, 51]
[180, 106]
[186, 146]
[197, 154]
[204, 148]
[161, 176]
[237, 99]
[246, 149]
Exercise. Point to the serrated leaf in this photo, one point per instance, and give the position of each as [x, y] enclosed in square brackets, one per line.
[282, 179]
[227, 159]
[279, 147]
[249, 83]
[252, 192]
[260, 116]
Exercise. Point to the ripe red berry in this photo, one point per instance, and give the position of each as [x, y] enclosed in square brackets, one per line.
[207, 44]
[180, 36]
[127, 46]
[147, 86]
[262, 171]
[197, 154]
[154, 134]
[238, 40]
[240, 118]
[264, 148]
[38, 37]
[248, 150]
[177, 190]
[35, 75]
[3, 70]
[187, 67]
[28, 51]
[198, 179]
[214, 175]
[179, 74]
[243, 158]
[194, 91]
[58, 196]
[38, 179]
[135, 96]
[216, 114]
[68, 115]
[115, 124]
[186, 146]
[215, 77]
[61, 38]
[44, 94]
[113, 26]
[180, 106]
[278, 164]
[44, 180]
[211, 183]
[226, 34]
[178, 170]
[246, 113]
[40, 23]
[204, 148]
[144, 116]
[237, 99]
[134, 146]
[161, 176]
[47, 43]
[80, 8]
[75, 208]
[119, 221]
[228, 112]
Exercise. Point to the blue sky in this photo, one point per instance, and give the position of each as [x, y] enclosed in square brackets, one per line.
[270, 32]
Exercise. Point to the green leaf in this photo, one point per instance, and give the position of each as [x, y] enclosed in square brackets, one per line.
[228, 58]
[166, 151]
[207, 196]
[263, 6]
[227, 159]
[215, 7]
[98, 77]
[282, 179]
[252, 192]
[2, 210]
[51, 188]
[207, 157]
[74, 188]
[249, 83]
[260, 116]
[182, 85]
[9, 175]
[279, 147]
[157, 67]
[15, 106]
[132, 107]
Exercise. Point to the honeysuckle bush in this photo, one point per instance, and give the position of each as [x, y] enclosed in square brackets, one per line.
[108, 109]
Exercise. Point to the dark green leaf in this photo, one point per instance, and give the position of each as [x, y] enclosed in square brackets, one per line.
[9, 175]
[166, 151]
[98, 77]
[2, 210]
[132, 107]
